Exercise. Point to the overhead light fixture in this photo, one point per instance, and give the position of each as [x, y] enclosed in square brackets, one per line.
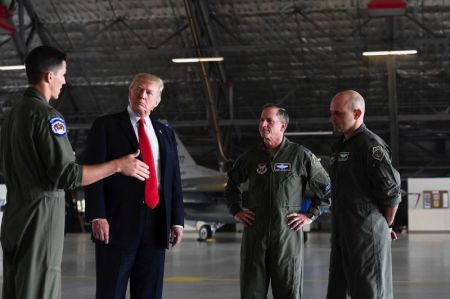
[387, 53]
[312, 133]
[12, 67]
[197, 59]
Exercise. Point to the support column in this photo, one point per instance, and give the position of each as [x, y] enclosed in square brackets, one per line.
[393, 107]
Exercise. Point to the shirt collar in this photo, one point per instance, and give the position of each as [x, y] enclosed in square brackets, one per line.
[361, 128]
[134, 118]
[283, 144]
[33, 92]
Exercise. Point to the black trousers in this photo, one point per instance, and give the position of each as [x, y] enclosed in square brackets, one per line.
[142, 263]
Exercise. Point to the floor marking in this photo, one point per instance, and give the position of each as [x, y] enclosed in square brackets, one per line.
[199, 279]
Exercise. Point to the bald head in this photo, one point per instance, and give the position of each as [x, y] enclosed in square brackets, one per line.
[352, 100]
[347, 112]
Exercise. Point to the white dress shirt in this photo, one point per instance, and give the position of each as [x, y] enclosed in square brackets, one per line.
[151, 136]
[154, 143]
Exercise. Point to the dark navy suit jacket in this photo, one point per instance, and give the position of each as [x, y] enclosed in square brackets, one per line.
[119, 198]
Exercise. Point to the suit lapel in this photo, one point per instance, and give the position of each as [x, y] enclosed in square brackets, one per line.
[127, 128]
[161, 139]
[162, 142]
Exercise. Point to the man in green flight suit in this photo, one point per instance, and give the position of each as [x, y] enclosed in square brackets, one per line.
[37, 162]
[277, 172]
[366, 194]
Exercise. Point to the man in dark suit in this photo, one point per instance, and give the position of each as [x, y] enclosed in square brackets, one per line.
[133, 222]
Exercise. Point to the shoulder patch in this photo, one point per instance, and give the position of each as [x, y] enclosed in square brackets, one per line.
[315, 160]
[57, 126]
[378, 152]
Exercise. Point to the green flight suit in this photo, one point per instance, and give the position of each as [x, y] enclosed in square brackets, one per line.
[364, 182]
[270, 250]
[37, 162]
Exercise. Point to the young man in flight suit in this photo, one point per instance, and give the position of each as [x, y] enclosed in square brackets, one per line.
[38, 162]
[277, 171]
[366, 194]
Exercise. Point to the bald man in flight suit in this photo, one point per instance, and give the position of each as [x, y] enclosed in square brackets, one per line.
[366, 193]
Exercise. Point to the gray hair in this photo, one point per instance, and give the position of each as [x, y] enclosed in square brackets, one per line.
[146, 77]
[282, 112]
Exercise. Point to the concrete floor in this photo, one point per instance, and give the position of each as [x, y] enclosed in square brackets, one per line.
[210, 269]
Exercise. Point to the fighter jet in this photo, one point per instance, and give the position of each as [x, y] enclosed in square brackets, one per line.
[203, 192]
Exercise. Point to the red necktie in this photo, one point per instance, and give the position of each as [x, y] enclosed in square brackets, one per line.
[151, 196]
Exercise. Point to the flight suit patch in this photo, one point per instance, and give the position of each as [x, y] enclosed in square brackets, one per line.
[315, 160]
[262, 168]
[377, 152]
[58, 126]
[343, 156]
[282, 167]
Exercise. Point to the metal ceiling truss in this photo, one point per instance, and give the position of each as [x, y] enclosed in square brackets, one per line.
[295, 53]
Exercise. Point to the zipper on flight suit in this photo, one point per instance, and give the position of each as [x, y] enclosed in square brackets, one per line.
[269, 226]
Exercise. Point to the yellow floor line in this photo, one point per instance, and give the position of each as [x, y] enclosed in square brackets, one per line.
[199, 279]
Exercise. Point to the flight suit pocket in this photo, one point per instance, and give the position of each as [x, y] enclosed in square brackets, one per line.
[287, 176]
[251, 203]
[55, 227]
[295, 207]
[386, 179]
[292, 208]
[258, 189]
[295, 272]
[290, 286]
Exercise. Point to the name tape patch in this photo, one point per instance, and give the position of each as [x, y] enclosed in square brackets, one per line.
[282, 167]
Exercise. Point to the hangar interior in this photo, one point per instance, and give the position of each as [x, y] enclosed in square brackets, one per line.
[295, 53]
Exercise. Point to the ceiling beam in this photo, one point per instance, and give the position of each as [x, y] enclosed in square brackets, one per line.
[296, 121]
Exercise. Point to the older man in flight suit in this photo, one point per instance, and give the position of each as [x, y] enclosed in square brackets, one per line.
[366, 193]
[37, 162]
[277, 171]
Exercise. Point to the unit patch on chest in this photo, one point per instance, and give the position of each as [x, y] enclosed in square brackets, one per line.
[342, 156]
[282, 167]
[262, 168]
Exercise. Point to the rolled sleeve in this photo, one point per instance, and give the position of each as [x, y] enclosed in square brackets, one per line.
[319, 184]
[233, 194]
[384, 178]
